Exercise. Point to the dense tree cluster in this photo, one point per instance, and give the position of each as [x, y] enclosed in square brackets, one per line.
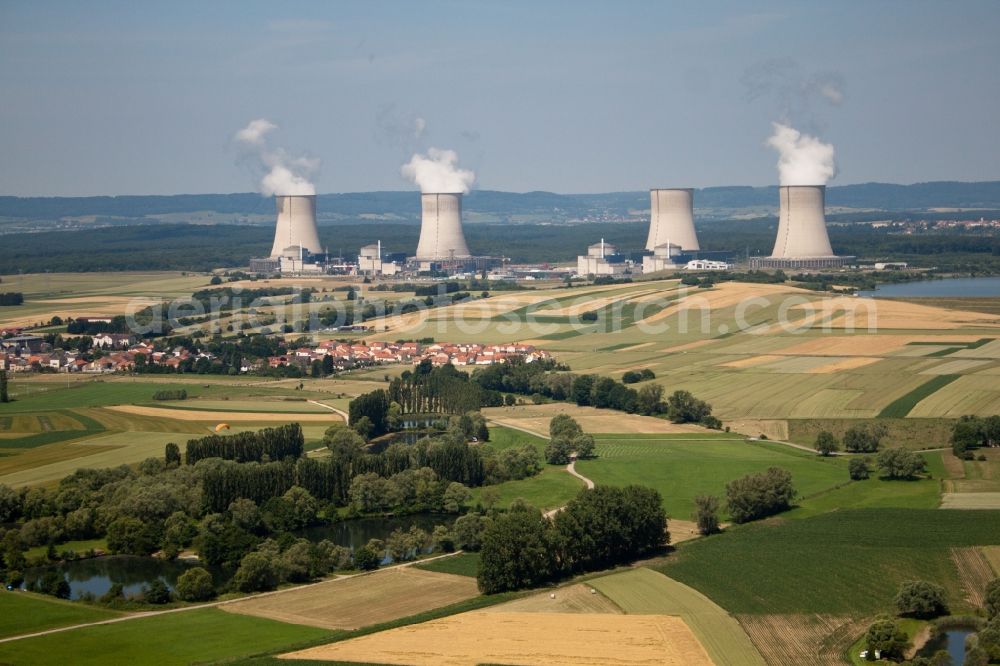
[973, 432]
[171, 394]
[759, 495]
[566, 440]
[268, 444]
[865, 438]
[11, 298]
[636, 376]
[900, 463]
[599, 528]
[440, 390]
[886, 638]
[921, 599]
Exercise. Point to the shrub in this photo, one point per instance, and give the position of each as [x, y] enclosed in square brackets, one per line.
[366, 559]
[195, 584]
[858, 469]
[759, 495]
[885, 636]
[157, 593]
[706, 514]
[256, 573]
[900, 463]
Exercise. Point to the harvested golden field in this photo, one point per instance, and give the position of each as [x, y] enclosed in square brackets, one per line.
[684, 347]
[751, 361]
[862, 344]
[974, 571]
[845, 364]
[528, 639]
[199, 415]
[992, 555]
[988, 500]
[774, 429]
[591, 419]
[883, 313]
[579, 598]
[802, 639]
[361, 601]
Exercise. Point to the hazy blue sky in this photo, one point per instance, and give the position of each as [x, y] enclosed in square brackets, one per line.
[136, 98]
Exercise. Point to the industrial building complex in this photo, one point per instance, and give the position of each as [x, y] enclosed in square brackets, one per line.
[672, 244]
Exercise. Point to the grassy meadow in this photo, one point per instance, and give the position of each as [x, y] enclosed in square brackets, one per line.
[26, 612]
[201, 636]
[683, 466]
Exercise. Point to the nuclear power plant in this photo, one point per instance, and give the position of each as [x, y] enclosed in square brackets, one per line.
[441, 236]
[671, 219]
[802, 240]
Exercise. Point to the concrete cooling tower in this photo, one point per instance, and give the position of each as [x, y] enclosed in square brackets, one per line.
[802, 240]
[441, 236]
[671, 218]
[296, 225]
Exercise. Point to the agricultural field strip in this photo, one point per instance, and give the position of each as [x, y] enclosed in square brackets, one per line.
[536, 639]
[356, 602]
[644, 591]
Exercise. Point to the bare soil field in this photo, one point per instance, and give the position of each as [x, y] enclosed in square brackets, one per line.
[361, 601]
[528, 639]
[802, 639]
[591, 419]
[974, 571]
[199, 415]
[579, 598]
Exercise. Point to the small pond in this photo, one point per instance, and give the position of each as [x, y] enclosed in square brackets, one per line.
[96, 576]
[951, 640]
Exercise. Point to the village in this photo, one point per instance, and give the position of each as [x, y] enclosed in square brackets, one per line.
[120, 352]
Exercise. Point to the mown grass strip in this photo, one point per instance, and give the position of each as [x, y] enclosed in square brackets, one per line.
[466, 564]
[902, 406]
[90, 428]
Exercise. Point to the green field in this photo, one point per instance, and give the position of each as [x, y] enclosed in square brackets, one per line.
[844, 562]
[643, 591]
[177, 638]
[464, 564]
[25, 613]
[683, 466]
[549, 489]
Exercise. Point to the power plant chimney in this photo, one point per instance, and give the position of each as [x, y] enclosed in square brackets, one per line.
[671, 216]
[296, 225]
[441, 234]
[802, 223]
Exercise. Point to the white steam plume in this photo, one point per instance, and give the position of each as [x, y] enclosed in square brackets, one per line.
[803, 159]
[282, 174]
[438, 172]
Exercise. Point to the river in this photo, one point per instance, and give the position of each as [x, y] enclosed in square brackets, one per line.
[982, 287]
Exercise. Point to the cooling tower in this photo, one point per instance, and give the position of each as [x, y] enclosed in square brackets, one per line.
[671, 218]
[441, 228]
[802, 223]
[296, 224]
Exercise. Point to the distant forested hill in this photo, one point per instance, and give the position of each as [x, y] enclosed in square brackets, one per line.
[492, 206]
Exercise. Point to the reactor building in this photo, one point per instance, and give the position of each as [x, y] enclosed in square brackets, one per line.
[802, 240]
